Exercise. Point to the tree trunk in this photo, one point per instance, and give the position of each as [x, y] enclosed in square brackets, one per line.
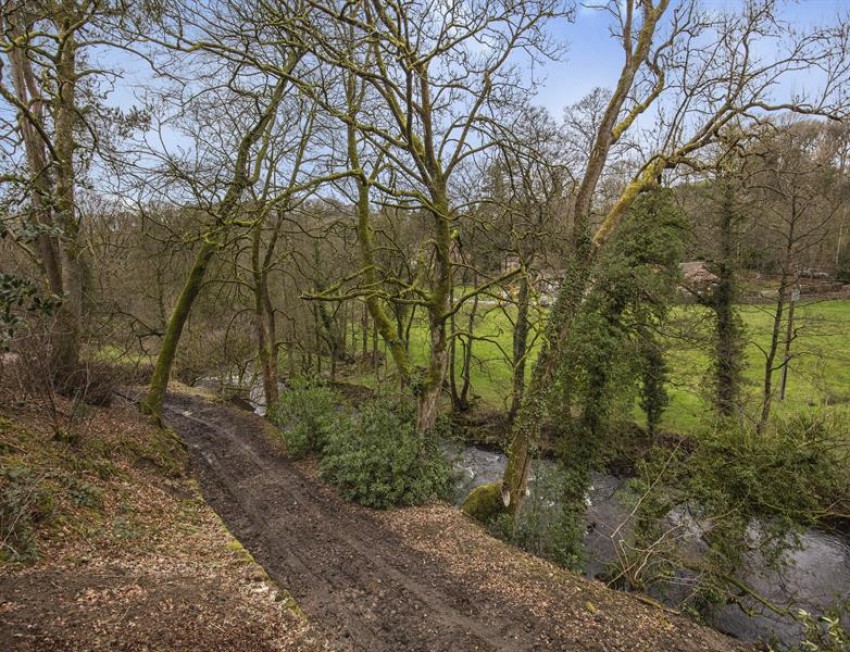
[770, 358]
[528, 421]
[466, 369]
[191, 288]
[520, 346]
[728, 345]
[452, 371]
[26, 92]
[428, 399]
[529, 418]
[53, 184]
[438, 307]
[365, 237]
[460, 391]
[71, 311]
[781, 299]
[264, 318]
[176, 322]
[786, 359]
[365, 331]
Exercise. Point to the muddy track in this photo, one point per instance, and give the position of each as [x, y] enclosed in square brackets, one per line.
[349, 573]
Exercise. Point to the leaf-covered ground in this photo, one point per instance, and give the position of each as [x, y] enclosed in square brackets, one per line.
[132, 558]
[415, 579]
[107, 544]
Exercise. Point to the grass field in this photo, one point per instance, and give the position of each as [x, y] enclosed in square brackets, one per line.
[819, 372]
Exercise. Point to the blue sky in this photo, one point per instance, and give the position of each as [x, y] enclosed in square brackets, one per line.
[595, 60]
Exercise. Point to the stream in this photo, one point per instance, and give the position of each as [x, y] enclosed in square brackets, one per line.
[816, 575]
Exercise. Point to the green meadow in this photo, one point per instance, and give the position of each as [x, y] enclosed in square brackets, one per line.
[818, 374]
[818, 371]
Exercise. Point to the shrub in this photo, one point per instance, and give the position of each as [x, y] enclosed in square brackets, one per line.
[551, 521]
[306, 414]
[24, 502]
[824, 633]
[376, 458]
[737, 494]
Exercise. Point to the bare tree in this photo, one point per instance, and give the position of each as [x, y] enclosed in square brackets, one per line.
[699, 74]
[52, 126]
[795, 179]
[217, 180]
[431, 76]
[525, 216]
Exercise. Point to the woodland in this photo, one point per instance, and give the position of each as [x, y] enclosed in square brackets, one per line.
[354, 218]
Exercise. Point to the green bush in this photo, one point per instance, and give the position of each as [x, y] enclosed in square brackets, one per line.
[750, 493]
[306, 414]
[376, 458]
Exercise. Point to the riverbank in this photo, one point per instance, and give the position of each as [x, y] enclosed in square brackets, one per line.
[152, 567]
[814, 578]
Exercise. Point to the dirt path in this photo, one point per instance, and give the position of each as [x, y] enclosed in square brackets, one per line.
[352, 575]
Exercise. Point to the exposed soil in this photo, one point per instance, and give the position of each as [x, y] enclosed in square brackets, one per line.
[130, 556]
[417, 579]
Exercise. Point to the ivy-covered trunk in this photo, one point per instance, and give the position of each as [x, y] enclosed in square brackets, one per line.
[528, 423]
[728, 330]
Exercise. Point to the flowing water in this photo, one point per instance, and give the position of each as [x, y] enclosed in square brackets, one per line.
[816, 576]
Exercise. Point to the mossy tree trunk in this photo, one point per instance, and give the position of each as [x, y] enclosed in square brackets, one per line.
[264, 314]
[375, 308]
[439, 311]
[243, 178]
[174, 329]
[520, 345]
[51, 161]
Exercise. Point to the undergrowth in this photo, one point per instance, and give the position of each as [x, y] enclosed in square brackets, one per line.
[376, 458]
[305, 415]
[371, 454]
[54, 491]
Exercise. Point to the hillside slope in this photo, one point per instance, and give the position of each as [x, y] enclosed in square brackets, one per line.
[107, 544]
[411, 579]
[132, 557]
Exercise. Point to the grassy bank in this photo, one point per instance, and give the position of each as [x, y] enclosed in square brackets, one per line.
[818, 372]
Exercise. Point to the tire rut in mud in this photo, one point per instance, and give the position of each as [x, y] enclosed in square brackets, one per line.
[350, 575]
